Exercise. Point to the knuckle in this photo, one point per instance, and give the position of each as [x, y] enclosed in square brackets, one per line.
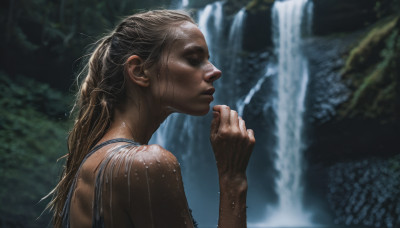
[252, 141]
[225, 107]
[236, 134]
[223, 133]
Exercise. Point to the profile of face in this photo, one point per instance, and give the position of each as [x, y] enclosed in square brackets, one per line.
[185, 83]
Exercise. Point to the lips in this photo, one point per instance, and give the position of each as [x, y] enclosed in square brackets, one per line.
[209, 91]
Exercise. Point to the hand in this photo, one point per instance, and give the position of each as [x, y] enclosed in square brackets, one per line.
[232, 142]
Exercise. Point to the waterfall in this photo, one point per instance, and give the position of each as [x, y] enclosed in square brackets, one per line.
[291, 90]
[188, 136]
[210, 23]
[241, 103]
[184, 3]
[232, 60]
[235, 39]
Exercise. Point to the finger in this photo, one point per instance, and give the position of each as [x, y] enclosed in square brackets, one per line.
[215, 122]
[234, 120]
[217, 108]
[242, 126]
[250, 133]
[224, 113]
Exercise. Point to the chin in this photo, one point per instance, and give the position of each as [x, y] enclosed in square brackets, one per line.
[203, 113]
[197, 112]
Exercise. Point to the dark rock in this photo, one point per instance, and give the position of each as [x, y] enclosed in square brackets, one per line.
[335, 16]
[337, 141]
[254, 39]
[365, 192]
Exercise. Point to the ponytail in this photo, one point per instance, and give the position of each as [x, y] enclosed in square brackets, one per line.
[94, 115]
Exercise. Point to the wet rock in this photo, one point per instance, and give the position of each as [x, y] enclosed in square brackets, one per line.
[365, 192]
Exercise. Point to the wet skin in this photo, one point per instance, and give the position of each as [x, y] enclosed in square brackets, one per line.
[186, 84]
[150, 193]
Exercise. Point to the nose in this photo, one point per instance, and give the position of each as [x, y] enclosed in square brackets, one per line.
[213, 74]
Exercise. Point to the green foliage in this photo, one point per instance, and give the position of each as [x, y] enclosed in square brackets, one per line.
[30, 144]
[48, 37]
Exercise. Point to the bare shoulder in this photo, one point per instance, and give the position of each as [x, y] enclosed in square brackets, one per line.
[140, 165]
[156, 154]
[140, 157]
[150, 185]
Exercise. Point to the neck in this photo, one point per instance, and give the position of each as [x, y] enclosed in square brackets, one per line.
[136, 122]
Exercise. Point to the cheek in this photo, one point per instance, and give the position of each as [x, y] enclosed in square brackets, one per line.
[185, 78]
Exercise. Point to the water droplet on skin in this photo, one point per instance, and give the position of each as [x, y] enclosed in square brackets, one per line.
[163, 176]
[151, 163]
[147, 167]
[174, 170]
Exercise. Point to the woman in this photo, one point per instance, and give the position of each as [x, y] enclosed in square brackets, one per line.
[153, 64]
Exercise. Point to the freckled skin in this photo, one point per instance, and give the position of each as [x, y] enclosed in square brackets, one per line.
[151, 194]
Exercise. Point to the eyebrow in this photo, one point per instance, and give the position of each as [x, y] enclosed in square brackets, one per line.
[196, 48]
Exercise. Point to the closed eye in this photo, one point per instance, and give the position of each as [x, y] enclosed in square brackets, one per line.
[196, 55]
[194, 61]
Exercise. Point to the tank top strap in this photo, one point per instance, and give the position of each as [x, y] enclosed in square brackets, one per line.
[111, 141]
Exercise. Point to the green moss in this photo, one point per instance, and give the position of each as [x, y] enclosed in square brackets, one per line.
[369, 45]
[259, 5]
[375, 85]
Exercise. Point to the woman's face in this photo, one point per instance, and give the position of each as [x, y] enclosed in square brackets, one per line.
[185, 84]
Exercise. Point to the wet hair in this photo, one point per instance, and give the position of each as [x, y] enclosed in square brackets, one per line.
[148, 35]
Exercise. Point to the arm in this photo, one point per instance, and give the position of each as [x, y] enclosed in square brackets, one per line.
[157, 197]
[232, 144]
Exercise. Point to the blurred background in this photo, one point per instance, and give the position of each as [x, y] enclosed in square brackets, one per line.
[317, 80]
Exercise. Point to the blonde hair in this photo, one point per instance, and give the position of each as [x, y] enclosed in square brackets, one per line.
[145, 34]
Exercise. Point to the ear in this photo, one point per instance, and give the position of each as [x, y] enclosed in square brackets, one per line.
[135, 72]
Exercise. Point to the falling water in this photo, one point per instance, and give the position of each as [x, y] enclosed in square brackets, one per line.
[232, 60]
[185, 3]
[241, 103]
[235, 38]
[210, 23]
[291, 90]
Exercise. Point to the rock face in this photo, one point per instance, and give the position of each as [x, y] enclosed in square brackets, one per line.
[354, 113]
[365, 192]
